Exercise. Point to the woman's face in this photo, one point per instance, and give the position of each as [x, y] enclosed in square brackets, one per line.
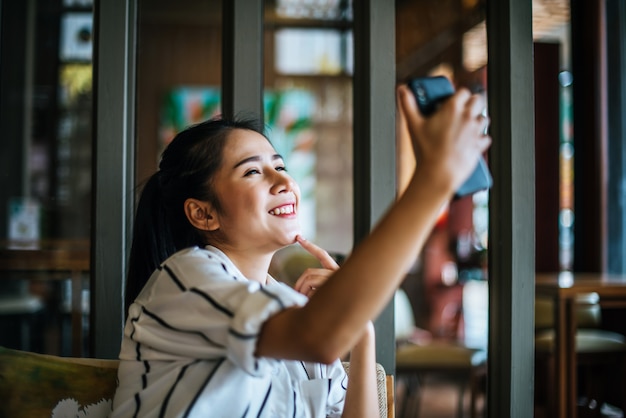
[258, 199]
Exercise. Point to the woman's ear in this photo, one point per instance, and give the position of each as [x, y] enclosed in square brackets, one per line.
[201, 215]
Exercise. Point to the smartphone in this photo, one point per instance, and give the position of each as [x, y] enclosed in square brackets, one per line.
[429, 93]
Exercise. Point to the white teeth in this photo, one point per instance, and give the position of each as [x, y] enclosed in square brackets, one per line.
[283, 210]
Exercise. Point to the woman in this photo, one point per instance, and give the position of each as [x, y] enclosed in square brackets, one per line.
[209, 333]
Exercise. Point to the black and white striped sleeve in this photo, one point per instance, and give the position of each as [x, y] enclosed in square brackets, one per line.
[198, 305]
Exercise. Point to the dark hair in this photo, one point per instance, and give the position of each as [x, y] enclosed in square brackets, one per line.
[187, 167]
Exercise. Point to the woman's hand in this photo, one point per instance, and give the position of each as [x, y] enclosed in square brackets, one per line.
[313, 278]
[448, 143]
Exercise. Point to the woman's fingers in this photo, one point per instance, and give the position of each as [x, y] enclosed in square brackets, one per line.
[479, 109]
[451, 140]
[322, 256]
[311, 280]
[476, 106]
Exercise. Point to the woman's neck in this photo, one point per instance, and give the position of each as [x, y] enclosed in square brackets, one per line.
[253, 266]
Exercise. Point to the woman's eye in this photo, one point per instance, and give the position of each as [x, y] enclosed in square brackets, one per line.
[281, 168]
[252, 171]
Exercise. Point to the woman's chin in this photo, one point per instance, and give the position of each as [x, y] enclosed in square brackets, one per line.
[290, 237]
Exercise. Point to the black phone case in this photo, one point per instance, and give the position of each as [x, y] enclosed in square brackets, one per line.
[429, 93]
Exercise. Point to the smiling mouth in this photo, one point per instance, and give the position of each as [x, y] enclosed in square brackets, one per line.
[283, 210]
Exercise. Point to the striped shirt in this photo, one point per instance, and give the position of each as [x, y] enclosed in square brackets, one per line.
[189, 343]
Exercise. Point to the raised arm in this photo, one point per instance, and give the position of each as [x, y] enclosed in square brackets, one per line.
[447, 147]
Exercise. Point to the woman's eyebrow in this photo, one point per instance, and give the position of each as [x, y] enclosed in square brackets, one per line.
[256, 158]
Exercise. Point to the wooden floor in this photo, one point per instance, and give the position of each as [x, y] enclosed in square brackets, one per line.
[439, 399]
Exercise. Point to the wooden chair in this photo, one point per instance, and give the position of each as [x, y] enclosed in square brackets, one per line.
[463, 365]
[34, 385]
[457, 363]
[598, 352]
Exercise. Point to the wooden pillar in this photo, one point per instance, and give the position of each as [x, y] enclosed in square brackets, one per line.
[374, 136]
[511, 210]
[242, 62]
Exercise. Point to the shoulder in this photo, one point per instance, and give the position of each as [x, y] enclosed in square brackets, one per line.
[196, 263]
[207, 255]
[190, 253]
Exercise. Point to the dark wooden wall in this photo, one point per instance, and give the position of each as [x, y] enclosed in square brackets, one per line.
[588, 66]
[547, 142]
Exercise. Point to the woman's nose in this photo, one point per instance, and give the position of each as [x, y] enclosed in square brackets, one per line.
[283, 182]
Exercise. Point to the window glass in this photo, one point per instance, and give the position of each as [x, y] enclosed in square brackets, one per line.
[551, 26]
[448, 285]
[456, 252]
[179, 67]
[45, 195]
[308, 87]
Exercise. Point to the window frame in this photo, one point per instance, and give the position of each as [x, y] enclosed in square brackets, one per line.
[511, 200]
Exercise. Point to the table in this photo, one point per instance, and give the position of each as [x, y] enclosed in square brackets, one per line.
[51, 260]
[563, 288]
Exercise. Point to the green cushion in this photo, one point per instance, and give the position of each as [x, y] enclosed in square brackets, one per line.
[32, 385]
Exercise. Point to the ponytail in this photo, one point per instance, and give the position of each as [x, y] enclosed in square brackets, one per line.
[152, 239]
